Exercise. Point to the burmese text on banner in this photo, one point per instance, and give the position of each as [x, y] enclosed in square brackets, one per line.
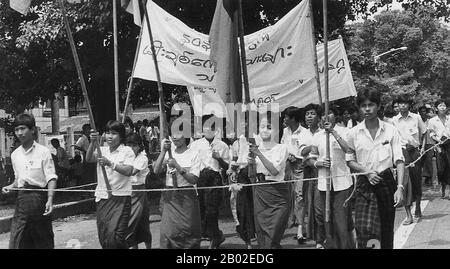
[277, 54]
[297, 93]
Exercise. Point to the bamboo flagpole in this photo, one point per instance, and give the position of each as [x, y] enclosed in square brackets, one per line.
[83, 86]
[131, 84]
[316, 64]
[162, 117]
[116, 61]
[246, 96]
[242, 54]
[327, 107]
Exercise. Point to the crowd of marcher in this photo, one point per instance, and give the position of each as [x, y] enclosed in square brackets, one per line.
[380, 156]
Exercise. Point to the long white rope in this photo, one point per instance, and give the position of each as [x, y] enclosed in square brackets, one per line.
[75, 189]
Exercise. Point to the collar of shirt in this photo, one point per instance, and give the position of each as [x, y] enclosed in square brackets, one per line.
[297, 131]
[363, 128]
[118, 149]
[26, 152]
[399, 116]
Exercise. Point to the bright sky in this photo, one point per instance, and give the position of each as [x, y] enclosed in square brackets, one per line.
[394, 6]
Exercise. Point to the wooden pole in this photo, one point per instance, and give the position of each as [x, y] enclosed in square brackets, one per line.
[316, 64]
[83, 86]
[130, 85]
[116, 61]
[246, 96]
[162, 118]
[242, 54]
[327, 106]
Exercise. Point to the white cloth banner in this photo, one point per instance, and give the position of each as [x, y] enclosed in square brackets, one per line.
[279, 53]
[298, 93]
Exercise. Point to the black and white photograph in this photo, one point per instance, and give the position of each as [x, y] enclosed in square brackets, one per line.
[239, 127]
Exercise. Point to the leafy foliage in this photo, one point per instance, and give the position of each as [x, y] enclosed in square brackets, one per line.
[422, 71]
[36, 62]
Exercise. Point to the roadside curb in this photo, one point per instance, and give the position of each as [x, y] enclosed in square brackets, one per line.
[59, 211]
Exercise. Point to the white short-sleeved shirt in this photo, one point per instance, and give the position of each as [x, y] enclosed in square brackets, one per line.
[438, 129]
[376, 154]
[306, 139]
[277, 156]
[338, 163]
[410, 128]
[83, 142]
[290, 139]
[189, 160]
[140, 163]
[120, 184]
[205, 150]
[34, 166]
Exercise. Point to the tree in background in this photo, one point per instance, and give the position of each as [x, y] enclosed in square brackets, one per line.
[422, 71]
[35, 59]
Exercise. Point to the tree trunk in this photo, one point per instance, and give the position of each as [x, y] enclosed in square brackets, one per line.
[55, 114]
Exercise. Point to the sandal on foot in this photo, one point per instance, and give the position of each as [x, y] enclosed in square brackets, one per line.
[407, 222]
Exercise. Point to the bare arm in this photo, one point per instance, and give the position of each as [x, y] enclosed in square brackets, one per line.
[158, 164]
[90, 156]
[267, 164]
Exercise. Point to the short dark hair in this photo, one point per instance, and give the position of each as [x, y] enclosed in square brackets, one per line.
[25, 119]
[145, 122]
[55, 142]
[86, 126]
[423, 107]
[403, 99]
[350, 109]
[370, 94]
[440, 101]
[314, 107]
[293, 112]
[129, 122]
[119, 127]
[334, 110]
[135, 140]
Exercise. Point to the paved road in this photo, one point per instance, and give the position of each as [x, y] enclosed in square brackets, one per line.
[432, 231]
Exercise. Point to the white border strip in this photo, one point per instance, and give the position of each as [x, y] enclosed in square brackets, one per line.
[403, 232]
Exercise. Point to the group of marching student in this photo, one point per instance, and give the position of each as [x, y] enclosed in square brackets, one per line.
[362, 207]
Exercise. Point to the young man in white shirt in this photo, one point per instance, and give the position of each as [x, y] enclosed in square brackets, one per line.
[215, 156]
[412, 131]
[316, 228]
[428, 142]
[31, 226]
[439, 127]
[375, 147]
[294, 168]
[338, 231]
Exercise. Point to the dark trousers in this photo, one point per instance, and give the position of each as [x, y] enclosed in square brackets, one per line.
[339, 229]
[319, 215]
[209, 203]
[29, 228]
[415, 172]
[427, 162]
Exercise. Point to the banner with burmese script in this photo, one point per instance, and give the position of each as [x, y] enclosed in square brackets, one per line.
[280, 53]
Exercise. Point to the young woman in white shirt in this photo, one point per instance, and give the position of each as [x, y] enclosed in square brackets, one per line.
[271, 201]
[180, 221]
[139, 225]
[114, 209]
